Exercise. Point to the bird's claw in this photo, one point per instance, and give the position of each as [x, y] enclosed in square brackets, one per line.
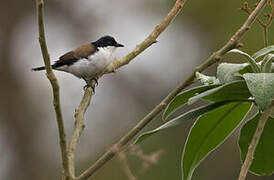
[91, 83]
[87, 86]
[96, 81]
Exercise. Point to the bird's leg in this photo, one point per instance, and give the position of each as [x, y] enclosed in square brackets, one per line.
[91, 83]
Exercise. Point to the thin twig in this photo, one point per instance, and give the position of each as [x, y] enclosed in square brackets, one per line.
[266, 25]
[215, 57]
[78, 128]
[55, 87]
[255, 140]
[125, 166]
[151, 39]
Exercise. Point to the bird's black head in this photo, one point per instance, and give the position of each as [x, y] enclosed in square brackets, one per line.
[106, 41]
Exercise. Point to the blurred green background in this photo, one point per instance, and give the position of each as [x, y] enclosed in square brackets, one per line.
[29, 147]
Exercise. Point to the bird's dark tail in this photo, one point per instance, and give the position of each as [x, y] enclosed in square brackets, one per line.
[38, 68]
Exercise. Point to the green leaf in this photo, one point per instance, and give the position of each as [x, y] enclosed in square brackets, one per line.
[206, 80]
[190, 115]
[247, 69]
[263, 162]
[267, 63]
[251, 61]
[182, 98]
[226, 71]
[263, 52]
[261, 86]
[233, 91]
[208, 132]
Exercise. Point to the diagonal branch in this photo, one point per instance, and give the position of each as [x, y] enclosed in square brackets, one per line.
[151, 39]
[55, 87]
[215, 57]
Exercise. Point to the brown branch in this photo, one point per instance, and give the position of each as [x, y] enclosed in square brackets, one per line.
[55, 87]
[151, 39]
[254, 142]
[215, 57]
[248, 10]
[78, 129]
[266, 25]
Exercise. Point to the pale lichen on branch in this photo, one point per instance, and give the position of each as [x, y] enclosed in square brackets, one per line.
[78, 128]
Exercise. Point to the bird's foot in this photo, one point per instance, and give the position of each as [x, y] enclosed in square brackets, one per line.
[87, 86]
[91, 83]
[94, 80]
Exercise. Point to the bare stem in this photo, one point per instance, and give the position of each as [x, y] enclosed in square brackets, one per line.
[78, 129]
[55, 87]
[151, 39]
[266, 25]
[255, 140]
[215, 57]
[265, 36]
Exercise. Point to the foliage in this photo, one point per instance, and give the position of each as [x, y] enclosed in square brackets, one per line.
[229, 96]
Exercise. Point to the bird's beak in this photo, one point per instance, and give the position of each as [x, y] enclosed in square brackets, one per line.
[119, 45]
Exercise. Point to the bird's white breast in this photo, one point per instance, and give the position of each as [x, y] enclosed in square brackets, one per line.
[93, 66]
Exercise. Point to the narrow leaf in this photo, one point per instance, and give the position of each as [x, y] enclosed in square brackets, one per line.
[208, 132]
[236, 90]
[267, 63]
[182, 98]
[247, 69]
[261, 86]
[263, 162]
[190, 115]
[251, 61]
[263, 52]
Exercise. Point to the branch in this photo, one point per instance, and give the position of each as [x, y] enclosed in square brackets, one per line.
[55, 87]
[255, 140]
[266, 25]
[215, 57]
[151, 39]
[78, 129]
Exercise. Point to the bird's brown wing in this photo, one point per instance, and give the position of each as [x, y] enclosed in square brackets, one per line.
[79, 53]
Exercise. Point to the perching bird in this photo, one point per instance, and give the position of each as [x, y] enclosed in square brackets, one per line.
[87, 61]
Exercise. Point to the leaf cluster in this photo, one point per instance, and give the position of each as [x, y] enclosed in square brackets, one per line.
[229, 96]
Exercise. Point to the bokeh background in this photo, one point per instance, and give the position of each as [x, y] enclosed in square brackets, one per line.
[29, 147]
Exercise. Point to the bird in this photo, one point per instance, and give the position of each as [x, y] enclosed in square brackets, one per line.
[87, 61]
